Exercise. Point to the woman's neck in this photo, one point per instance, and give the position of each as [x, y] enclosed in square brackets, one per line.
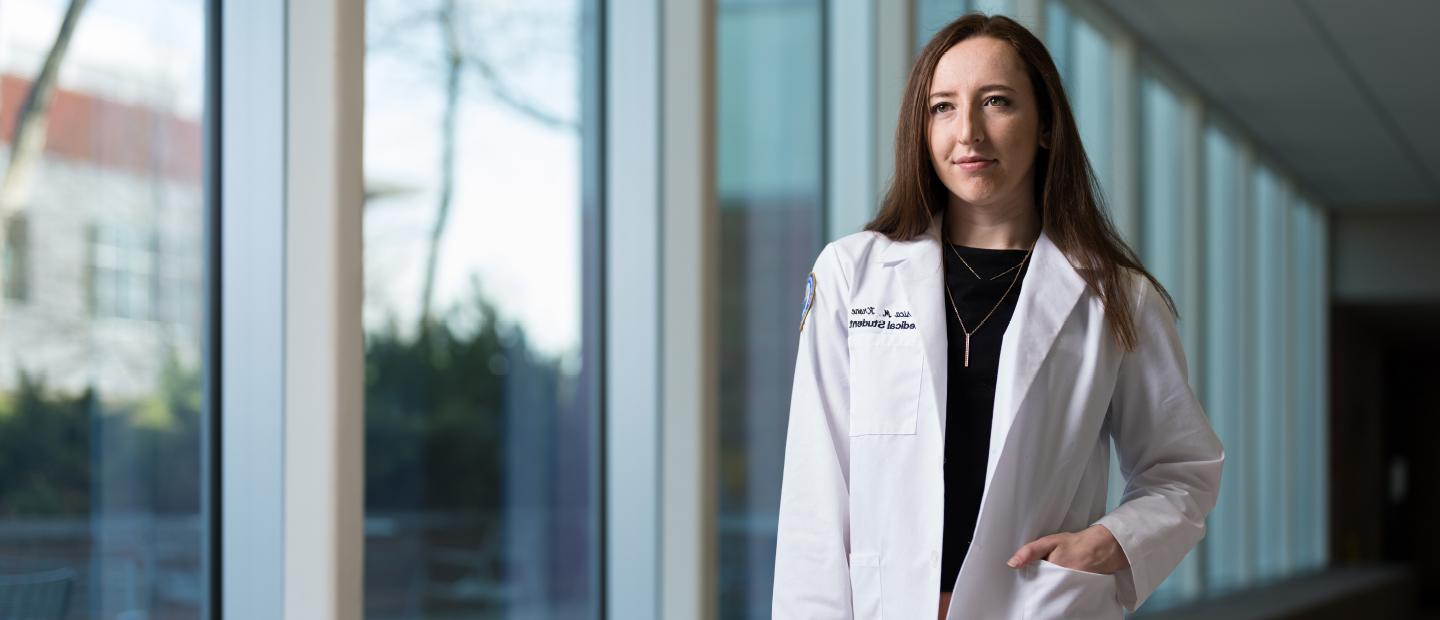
[1003, 227]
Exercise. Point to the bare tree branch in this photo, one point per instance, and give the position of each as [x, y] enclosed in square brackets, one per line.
[28, 143]
[501, 91]
[454, 65]
[462, 54]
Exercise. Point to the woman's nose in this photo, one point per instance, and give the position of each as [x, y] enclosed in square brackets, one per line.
[969, 130]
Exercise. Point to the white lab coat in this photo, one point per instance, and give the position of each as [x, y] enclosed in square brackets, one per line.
[861, 504]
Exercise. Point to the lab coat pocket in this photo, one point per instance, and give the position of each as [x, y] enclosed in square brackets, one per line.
[884, 383]
[865, 585]
[1056, 592]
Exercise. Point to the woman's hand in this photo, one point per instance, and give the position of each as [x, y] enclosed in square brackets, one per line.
[1093, 550]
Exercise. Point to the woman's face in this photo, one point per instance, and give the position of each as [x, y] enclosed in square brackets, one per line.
[984, 125]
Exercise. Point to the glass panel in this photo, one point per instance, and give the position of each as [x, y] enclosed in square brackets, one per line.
[1269, 515]
[1084, 57]
[1164, 240]
[1091, 92]
[1228, 538]
[994, 7]
[481, 310]
[932, 15]
[1058, 39]
[1162, 160]
[101, 323]
[770, 163]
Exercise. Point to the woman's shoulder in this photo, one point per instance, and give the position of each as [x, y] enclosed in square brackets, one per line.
[850, 252]
[843, 258]
[858, 243]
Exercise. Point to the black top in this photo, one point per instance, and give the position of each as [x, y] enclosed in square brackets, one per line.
[971, 392]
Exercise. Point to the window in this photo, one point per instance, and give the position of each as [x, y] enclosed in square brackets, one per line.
[1084, 57]
[481, 309]
[101, 431]
[1264, 385]
[1242, 256]
[932, 15]
[1162, 160]
[16, 259]
[770, 180]
[122, 271]
[1168, 236]
[1269, 513]
[1228, 539]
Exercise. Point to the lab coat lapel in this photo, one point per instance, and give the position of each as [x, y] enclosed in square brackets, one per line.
[917, 262]
[1048, 295]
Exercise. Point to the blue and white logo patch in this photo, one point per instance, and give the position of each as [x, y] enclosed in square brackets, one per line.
[809, 299]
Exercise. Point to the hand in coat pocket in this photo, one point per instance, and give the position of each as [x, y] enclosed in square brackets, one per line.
[1092, 550]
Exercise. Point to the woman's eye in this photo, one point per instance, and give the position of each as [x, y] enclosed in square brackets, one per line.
[938, 108]
[1002, 100]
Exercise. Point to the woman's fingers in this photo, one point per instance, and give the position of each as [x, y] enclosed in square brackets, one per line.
[1035, 549]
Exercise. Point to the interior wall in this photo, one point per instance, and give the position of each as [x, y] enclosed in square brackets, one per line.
[1385, 256]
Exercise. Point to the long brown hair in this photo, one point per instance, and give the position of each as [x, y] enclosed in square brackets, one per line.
[1070, 197]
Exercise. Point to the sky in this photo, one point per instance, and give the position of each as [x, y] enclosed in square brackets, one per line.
[137, 51]
[514, 222]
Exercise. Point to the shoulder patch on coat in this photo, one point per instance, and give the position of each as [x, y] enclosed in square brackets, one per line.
[809, 299]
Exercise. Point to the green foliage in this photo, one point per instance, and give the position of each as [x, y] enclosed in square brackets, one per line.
[55, 448]
[437, 407]
[435, 422]
[44, 452]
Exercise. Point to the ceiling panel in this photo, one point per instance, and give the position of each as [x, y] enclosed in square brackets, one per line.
[1341, 93]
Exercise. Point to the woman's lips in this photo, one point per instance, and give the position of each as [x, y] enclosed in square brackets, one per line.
[972, 166]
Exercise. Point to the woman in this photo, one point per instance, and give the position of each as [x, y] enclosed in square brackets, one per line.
[991, 297]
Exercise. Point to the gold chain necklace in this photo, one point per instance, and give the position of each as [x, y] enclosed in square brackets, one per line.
[971, 332]
[972, 269]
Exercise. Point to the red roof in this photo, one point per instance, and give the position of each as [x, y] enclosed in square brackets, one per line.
[109, 134]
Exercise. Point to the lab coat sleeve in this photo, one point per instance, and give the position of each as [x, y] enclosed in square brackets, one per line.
[1169, 454]
[812, 574]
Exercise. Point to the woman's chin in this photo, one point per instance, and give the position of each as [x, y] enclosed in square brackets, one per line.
[975, 195]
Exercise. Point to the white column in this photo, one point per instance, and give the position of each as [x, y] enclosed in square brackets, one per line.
[252, 312]
[688, 317]
[324, 342]
[632, 311]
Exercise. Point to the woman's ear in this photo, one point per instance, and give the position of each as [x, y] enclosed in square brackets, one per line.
[1045, 139]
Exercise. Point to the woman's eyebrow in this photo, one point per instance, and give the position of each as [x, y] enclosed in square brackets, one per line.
[951, 93]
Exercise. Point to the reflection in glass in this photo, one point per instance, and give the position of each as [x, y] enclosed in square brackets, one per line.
[769, 133]
[480, 285]
[101, 319]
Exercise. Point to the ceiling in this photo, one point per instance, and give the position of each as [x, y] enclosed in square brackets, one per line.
[1344, 94]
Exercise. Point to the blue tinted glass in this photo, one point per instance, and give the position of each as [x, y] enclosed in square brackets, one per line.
[770, 115]
[481, 310]
[1228, 539]
[102, 316]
